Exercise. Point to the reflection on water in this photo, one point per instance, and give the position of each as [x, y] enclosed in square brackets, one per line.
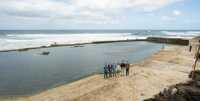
[29, 72]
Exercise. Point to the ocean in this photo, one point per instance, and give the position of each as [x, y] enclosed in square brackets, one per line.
[17, 39]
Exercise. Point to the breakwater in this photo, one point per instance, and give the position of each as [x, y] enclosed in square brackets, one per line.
[178, 41]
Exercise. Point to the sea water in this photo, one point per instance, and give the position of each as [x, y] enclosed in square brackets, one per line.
[17, 39]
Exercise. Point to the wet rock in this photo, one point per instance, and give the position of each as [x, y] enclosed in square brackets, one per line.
[78, 46]
[45, 53]
[24, 49]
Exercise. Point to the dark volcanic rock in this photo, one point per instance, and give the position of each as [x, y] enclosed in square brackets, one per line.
[45, 53]
[189, 91]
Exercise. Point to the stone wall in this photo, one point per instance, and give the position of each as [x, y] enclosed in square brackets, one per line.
[177, 41]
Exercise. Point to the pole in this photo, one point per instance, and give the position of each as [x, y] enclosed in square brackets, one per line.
[195, 63]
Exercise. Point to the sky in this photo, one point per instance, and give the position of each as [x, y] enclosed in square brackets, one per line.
[99, 14]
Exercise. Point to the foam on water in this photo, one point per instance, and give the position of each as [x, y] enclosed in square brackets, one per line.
[18, 41]
[181, 34]
[27, 39]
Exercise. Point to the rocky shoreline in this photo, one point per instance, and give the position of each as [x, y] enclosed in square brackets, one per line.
[187, 91]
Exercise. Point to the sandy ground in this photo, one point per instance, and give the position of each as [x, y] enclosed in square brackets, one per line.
[169, 66]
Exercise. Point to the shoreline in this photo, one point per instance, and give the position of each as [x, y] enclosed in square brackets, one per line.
[178, 41]
[20, 97]
[94, 87]
[93, 83]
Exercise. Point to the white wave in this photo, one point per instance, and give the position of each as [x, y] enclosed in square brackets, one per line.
[18, 41]
[181, 34]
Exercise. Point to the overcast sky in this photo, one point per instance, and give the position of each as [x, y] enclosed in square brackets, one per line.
[99, 14]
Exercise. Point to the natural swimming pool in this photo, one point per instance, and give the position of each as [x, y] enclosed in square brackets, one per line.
[27, 72]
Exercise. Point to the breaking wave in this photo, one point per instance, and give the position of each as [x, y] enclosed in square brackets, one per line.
[18, 41]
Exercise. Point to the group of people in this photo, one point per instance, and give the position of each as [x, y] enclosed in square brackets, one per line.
[116, 69]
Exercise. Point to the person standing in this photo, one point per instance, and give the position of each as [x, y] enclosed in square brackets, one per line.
[118, 69]
[110, 70]
[127, 69]
[123, 66]
[114, 70]
[105, 71]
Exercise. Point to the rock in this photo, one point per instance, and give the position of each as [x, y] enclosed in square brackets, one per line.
[179, 92]
[43, 46]
[78, 46]
[24, 49]
[142, 94]
[198, 83]
[174, 91]
[45, 53]
[165, 92]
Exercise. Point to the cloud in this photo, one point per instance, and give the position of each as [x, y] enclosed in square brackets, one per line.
[173, 16]
[88, 10]
[34, 8]
[168, 18]
[110, 5]
[176, 12]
